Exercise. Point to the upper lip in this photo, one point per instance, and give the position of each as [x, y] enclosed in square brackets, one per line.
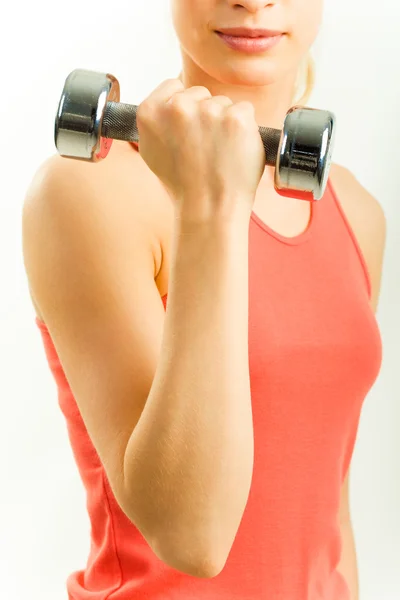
[249, 32]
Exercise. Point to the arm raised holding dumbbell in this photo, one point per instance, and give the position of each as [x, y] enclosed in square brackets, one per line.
[187, 466]
[189, 461]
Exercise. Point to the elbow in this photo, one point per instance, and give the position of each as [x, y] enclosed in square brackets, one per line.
[190, 556]
[203, 566]
[181, 555]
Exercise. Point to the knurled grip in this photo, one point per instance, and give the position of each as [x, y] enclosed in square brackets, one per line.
[119, 123]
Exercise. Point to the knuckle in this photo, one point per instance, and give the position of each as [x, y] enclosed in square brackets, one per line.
[179, 106]
[210, 109]
[222, 100]
[235, 118]
[202, 89]
[176, 102]
[238, 114]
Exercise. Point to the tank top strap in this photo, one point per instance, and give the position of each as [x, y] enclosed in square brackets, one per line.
[335, 226]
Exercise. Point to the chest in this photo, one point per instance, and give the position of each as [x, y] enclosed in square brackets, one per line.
[312, 332]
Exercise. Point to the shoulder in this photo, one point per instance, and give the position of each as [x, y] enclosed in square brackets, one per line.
[120, 188]
[122, 168]
[367, 219]
[117, 195]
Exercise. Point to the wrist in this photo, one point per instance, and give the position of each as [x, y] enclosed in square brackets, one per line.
[232, 221]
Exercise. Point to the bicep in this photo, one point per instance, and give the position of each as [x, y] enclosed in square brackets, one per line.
[93, 279]
[368, 221]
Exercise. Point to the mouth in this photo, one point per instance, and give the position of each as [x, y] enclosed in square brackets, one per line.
[245, 32]
[253, 41]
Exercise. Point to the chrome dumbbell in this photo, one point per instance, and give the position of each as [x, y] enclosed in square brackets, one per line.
[90, 116]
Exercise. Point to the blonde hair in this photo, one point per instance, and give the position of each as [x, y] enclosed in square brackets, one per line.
[305, 81]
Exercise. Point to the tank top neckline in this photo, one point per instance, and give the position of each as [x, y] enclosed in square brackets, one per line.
[290, 241]
[293, 240]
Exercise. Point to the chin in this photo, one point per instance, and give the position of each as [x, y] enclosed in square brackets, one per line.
[259, 73]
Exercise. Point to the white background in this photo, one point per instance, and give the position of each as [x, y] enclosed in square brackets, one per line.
[44, 530]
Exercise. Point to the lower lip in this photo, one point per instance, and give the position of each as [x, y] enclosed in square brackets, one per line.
[250, 45]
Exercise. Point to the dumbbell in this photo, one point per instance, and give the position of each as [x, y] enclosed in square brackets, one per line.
[90, 117]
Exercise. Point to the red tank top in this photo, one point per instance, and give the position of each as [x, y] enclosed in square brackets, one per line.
[314, 353]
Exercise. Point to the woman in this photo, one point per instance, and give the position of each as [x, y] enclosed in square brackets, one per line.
[214, 431]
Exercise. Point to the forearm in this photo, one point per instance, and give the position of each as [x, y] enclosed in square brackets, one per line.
[348, 566]
[190, 459]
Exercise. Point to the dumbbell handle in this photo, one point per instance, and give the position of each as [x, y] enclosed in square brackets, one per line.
[119, 123]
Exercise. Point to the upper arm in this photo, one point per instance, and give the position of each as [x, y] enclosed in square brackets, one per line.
[368, 221]
[371, 232]
[90, 266]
